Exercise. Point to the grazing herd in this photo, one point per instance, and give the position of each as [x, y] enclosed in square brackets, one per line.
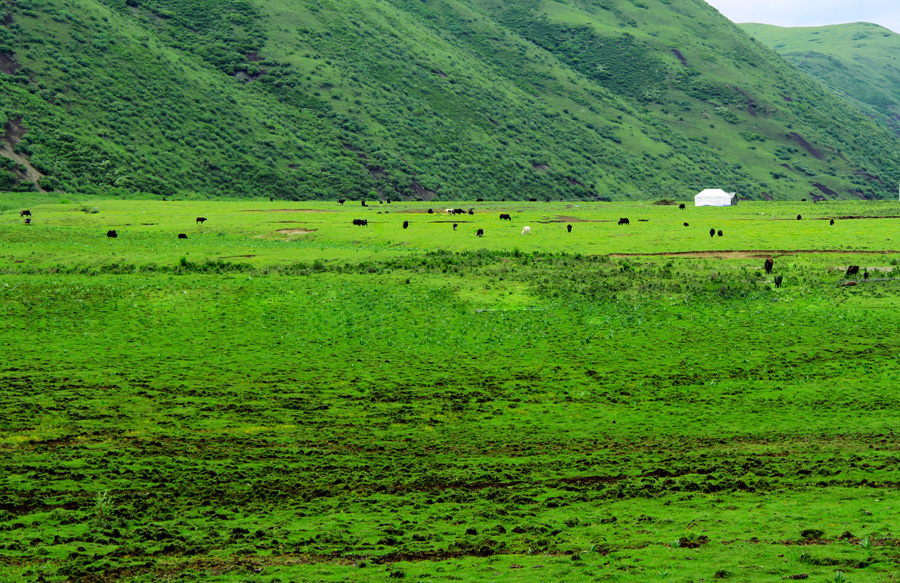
[768, 265]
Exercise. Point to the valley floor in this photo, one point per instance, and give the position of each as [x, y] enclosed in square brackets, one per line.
[284, 396]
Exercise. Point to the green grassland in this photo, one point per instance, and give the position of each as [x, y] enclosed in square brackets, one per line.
[445, 100]
[619, 403]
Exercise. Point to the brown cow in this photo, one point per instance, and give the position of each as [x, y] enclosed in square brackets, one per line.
[768, 265]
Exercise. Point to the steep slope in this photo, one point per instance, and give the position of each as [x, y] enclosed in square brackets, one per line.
[857, 61]
[455, 99]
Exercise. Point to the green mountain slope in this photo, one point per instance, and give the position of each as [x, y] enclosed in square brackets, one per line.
[456, 99]
[858, 61]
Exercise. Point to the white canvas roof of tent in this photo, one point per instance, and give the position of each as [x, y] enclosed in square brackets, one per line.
[714, 195]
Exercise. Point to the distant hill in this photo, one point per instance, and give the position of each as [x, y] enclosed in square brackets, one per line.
[857, 61]
[611, 99]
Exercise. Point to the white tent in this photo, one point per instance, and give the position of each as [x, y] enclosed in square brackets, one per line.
[715, 197]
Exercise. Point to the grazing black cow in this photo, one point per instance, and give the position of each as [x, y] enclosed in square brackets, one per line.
[380, 201]
[471, 211]
[405, 224]
[27, 220]
[686, 225]
[502, 200]
[624, 221]
[479, 232]
[799, 217]
[532, 199]
[342, 200]
[548, 200]
[430, 211]
[712, 232]
[455, 225]
[361, 222]
[832, 222]
[778, 279]
[569, 228]
[362, 202]
[182, 236]
[480, 200]
[768, 265]
[387, 200]
[681, 206]
[852, 270]
[459, 211]
[201, 220]
[720, 233]
[866, 274]
[25, 214]
[505, 217]
[271, 199]
[112, 234]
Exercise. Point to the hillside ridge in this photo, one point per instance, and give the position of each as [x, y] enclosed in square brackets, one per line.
[436, 99]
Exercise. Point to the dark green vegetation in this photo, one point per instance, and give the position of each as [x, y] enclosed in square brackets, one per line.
[407, 99]
[316, 401]
[857, 61]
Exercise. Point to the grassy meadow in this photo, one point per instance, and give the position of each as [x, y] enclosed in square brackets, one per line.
[284, 396]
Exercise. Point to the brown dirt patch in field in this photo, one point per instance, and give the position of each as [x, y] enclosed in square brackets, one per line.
[291, 232]
[565, 219]
[750, 254]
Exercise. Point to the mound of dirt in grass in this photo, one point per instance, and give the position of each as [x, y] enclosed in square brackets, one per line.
[291, 232]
